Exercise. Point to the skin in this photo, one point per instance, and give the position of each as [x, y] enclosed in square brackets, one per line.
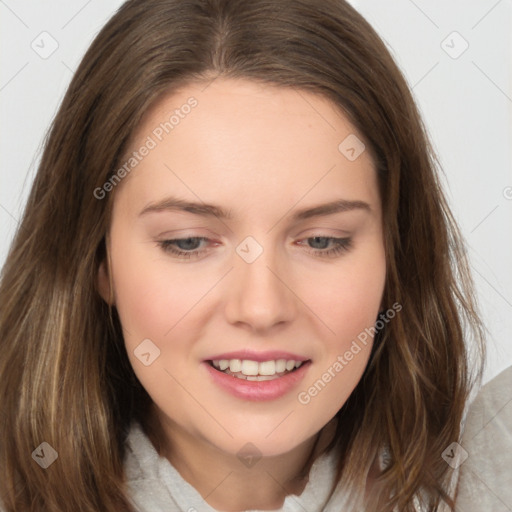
[262, 153]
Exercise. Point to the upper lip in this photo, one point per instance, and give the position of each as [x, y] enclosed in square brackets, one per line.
[270, 355]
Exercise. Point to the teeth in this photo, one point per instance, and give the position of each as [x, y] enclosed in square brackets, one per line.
[290, 365]
[261, 377]
[267, 368]
[280, 365]
[249, 367]
[254, 370]
[235, 365]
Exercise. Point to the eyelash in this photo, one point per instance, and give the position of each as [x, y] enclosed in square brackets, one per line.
[341, 245]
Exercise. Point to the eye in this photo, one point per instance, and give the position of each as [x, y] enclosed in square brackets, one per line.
[190, 247]
[184, 247]
[328, 246]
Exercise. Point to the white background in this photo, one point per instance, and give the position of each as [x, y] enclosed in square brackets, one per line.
[466, 103]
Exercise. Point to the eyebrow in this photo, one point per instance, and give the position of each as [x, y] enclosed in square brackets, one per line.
[210, 210]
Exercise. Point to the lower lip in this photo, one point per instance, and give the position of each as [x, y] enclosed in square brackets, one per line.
[258, 390]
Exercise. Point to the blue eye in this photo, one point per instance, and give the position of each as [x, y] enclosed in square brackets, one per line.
[189, 247]
[338, 245]
[186, 247]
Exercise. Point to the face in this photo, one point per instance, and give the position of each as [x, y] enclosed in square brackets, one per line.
[244, 234]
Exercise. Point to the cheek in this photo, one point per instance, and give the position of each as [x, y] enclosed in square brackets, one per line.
[350, 311]
[349, 299]
[348, 302]
[150, 296]
[154, 303]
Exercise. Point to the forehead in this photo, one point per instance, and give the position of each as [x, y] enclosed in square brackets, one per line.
[240, 140]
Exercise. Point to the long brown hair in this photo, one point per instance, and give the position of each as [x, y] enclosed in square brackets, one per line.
[65, 378]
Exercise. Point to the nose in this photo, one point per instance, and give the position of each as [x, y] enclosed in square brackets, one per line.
[260, 294]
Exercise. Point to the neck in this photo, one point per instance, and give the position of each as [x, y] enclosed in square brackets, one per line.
[224, 482]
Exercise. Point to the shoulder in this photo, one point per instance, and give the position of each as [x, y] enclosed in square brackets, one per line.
[141, 458]
[485, 478]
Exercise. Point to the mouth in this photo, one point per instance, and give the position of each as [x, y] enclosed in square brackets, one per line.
[263, 380]
[246, 369]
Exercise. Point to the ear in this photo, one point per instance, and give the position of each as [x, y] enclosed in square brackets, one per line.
[103, 283]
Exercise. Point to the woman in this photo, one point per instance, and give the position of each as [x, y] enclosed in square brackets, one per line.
[281, 138]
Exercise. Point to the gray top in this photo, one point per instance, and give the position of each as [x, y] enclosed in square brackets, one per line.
[156, 486]
[485, 482]
[483, 463]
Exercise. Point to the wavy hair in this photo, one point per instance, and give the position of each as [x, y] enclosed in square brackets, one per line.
[65, 377]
